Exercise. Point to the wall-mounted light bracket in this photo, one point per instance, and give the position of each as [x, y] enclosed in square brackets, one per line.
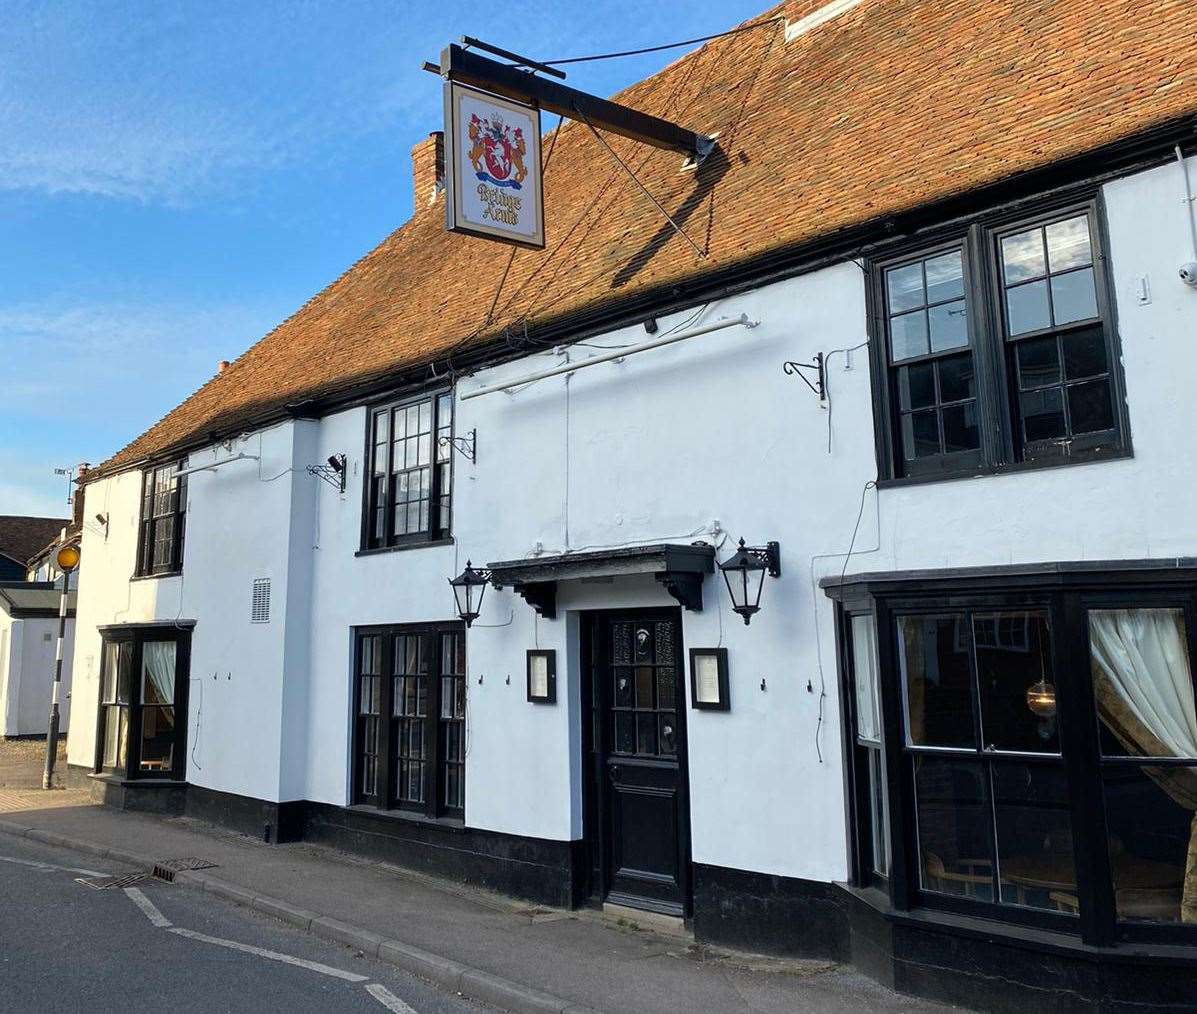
[816, 369]
[466, 446]
[333, 473]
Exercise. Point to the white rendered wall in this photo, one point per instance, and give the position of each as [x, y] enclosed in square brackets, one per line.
[656, 448]
[27, 674]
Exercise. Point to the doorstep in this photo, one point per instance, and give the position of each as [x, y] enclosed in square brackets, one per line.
[643, 919]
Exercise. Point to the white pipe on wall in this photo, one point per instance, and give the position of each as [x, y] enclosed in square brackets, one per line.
[215, 464]
[606, 357]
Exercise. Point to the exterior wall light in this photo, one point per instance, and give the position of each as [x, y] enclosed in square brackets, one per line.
[745, 574]
[468, 588]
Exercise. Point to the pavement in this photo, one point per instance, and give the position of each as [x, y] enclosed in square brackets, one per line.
[149, 945]
[514, 956]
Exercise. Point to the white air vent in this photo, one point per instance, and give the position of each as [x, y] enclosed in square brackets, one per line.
[260, 611]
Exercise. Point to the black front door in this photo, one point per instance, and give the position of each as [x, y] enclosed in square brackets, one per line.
[639, 819]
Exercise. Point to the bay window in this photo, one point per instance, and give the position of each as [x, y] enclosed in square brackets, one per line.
[143, 702]
[1032, 742]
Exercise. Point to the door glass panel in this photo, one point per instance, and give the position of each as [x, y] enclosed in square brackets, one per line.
[1017, 690]
[644, 686]
[668, 734]
[933, 654]
[1143, 682]
[1034, 836]
[623, 687]
[625, 732]
[666, 687]
[1152, 834]
[646, 733]
[954, 829]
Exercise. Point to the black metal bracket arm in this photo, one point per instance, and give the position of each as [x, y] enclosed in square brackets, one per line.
[468, 68]
[816, 368]
[769, 555]
[333, 473]
[466, 446]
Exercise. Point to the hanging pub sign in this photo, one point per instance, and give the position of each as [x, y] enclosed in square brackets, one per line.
[492, 167]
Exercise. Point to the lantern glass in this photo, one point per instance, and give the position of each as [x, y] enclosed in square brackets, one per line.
[468, 588]
[745, 577]
[1041, 698]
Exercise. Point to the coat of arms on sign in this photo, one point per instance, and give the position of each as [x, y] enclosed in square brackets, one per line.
[497, 152]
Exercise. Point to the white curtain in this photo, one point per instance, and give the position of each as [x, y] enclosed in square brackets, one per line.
[1144, 655]
[158, 664]
[864, 672]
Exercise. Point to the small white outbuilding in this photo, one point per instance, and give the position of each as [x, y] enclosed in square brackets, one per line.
[28, 634]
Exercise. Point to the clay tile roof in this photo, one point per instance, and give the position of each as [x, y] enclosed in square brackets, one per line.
[891, 105]
[21, 538]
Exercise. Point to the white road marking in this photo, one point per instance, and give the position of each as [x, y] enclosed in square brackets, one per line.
[49, 868]
[261, 952]
[388, 999]
[147, 907]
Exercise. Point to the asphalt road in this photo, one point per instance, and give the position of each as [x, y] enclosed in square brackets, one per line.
[67, 947]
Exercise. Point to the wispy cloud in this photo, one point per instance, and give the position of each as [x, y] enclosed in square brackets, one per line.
[193, 100]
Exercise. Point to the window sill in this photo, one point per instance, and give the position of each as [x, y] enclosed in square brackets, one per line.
[114, 778]
[410, 817]
[155, 577]
[405, 546]
[1041, 940]
[1011, 469]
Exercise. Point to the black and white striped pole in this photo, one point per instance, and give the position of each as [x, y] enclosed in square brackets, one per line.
[67, 560]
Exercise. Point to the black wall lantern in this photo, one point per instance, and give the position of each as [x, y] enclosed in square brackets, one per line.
[468, 588]
[745, 574]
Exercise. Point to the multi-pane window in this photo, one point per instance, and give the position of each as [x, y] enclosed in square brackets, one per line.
[142, 703]
[934, 378]
[1046, 737]
[409, 489]
[997, 349]
[163, 509]
[991, 795]
[1055, 337]
[410, 731]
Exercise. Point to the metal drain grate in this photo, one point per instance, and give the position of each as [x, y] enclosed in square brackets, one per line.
[165, 869]
[105, 883]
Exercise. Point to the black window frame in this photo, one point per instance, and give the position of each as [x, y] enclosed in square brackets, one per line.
[127, 694]
[151, 519]
[440, 480]
[1067, 599]
[1001, 449]
[444, 750]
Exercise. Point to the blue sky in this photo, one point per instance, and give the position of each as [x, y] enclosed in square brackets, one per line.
[178, 177]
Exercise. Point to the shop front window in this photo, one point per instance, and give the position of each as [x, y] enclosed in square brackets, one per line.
[1048, 748]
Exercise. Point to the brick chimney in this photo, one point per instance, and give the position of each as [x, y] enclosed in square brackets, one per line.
[77, 495]
[428, 169]
[222, 366]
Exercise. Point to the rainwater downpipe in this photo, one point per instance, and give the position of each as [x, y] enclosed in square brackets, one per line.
[1184, 172]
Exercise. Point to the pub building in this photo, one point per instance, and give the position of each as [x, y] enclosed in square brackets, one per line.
[814, 566]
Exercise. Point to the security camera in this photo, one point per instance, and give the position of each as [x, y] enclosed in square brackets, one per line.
[1188, 273]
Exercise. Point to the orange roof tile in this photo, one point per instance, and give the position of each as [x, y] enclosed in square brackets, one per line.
[892, 105]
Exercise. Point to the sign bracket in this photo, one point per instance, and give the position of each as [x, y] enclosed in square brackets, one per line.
[464, 67]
